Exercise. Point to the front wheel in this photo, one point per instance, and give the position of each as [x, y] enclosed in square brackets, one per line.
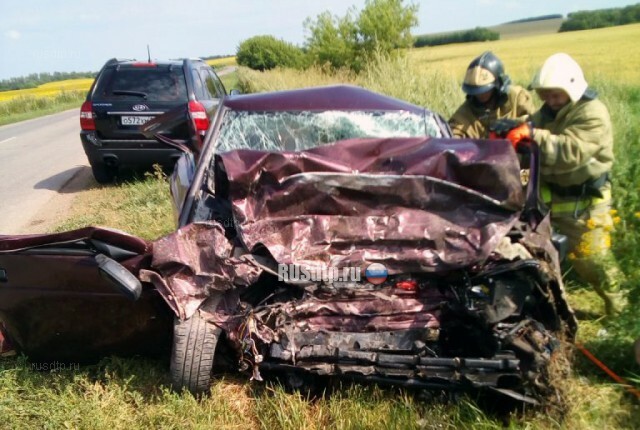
[192, 355]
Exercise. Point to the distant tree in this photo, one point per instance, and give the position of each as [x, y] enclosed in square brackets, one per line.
[584, 20]
[267, 52]
[385, 25]
[537, 18]
[478, 34]
[332, 40]
[381, 27]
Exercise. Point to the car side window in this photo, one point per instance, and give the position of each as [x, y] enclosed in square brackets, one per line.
[198, 87]
[218, 83]
[209, 85]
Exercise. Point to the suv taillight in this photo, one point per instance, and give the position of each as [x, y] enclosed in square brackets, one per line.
[86, 117]
[199, 115]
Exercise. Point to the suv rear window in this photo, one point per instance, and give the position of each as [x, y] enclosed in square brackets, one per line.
[145, 83]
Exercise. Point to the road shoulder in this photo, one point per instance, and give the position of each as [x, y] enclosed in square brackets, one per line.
[58, 208]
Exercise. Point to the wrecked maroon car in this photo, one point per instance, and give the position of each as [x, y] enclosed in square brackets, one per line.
[328, 231]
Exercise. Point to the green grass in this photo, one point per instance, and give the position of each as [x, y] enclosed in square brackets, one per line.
[134, 394]
[141, 207]
[230, 81]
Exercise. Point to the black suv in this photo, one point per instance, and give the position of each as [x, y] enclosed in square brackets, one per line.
[128, 93]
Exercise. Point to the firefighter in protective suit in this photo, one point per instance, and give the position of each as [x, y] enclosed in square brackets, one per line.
[573, 129]
[490, 96]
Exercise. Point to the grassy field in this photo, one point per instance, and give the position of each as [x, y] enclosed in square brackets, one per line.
[20, 105]
[48, 90]
[222, 62]
[527, 29]
[27, 107]
[133, 393]
[517, 29]
[603, 54]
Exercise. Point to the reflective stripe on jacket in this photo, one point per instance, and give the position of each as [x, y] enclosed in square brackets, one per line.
[575, 206]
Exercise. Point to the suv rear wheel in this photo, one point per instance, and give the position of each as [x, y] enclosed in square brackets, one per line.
[104, 174]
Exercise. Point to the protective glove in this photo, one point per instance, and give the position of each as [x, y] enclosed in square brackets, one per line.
[502, 126]
[521, 135]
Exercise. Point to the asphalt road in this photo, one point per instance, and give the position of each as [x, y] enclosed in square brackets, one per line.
[37, 158]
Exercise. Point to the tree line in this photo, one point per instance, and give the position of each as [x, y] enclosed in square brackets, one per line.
[585, 20]
[478, 34]
[33, 80]
[536, 18]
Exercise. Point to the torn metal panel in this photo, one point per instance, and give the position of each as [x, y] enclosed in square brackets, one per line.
[193, 262]
[414, 204]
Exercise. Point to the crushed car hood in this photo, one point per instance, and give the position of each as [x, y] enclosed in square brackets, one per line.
[412, 204]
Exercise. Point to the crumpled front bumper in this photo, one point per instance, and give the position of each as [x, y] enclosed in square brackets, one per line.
[398, 358]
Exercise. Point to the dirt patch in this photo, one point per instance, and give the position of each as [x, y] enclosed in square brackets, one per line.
[57, 209]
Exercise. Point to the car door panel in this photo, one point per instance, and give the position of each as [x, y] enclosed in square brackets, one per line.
[55, 303]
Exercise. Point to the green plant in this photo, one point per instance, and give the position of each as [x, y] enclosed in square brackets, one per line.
[332, 40]
[267, 52]
[383, 26]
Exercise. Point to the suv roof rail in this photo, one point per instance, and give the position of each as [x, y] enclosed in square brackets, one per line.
[186, 59]
[115, 60]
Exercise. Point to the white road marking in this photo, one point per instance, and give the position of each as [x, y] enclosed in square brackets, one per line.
[6, 140]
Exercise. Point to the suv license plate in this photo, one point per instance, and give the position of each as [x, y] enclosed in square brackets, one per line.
[135, 120]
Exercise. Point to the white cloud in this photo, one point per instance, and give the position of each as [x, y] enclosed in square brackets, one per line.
[13, 34]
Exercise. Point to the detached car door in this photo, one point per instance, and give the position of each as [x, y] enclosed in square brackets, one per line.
[62, 296]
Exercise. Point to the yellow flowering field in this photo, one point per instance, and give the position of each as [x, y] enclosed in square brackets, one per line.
[49, 89]
[221, 62]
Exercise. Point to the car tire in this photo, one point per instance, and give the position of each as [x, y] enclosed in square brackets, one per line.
[103, 173]
[192, 355]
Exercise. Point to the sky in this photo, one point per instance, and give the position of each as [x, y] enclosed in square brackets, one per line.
[80, 35]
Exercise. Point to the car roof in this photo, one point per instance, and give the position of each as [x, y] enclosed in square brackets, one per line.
[334, 97]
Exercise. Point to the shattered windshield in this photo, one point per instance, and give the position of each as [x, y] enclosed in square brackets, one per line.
[296, 131]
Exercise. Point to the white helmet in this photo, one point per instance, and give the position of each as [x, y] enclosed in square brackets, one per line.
[562, 72]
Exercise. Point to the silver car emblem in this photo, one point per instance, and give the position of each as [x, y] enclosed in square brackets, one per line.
[139, 108]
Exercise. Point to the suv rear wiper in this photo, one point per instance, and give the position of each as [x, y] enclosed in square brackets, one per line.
[129, 93]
